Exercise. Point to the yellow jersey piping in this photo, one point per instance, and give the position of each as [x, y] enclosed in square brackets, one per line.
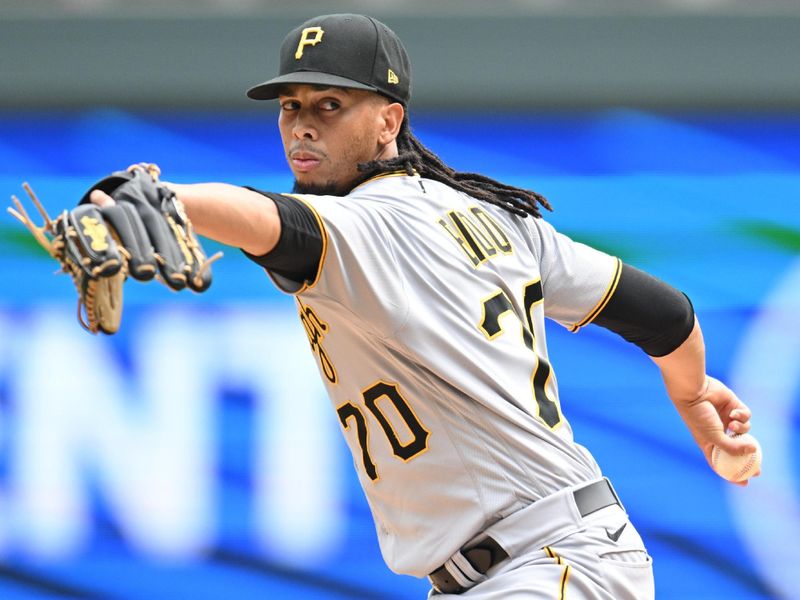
[308, 285]
[598, 308]
[383, 176]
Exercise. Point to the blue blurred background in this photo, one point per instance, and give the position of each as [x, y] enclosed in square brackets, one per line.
[194, 454]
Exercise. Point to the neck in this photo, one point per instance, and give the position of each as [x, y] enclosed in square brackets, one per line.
[387, 152]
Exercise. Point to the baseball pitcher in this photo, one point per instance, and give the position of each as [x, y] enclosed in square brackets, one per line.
[424, 293]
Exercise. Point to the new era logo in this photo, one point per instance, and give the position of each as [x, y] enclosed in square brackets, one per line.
[393, 77]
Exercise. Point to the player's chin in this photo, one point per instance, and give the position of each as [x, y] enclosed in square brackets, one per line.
[308, 185]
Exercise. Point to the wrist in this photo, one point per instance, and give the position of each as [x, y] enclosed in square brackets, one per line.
[687, 391]
[702, 393]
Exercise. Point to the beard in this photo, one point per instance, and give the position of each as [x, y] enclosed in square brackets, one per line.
[329, 188]
[332, 188]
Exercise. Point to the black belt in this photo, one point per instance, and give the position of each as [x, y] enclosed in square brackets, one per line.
[487, 553]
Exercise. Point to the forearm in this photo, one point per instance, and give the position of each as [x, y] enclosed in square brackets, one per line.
[684, 369]
[706, 405]
[231, 215]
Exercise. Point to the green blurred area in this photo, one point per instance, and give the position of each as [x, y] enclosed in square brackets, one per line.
[778, 236]
[15, 240]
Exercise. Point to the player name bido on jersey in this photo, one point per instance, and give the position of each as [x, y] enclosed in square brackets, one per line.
[477, 234]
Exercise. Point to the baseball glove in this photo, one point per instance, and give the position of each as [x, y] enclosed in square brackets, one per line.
[141, 198]
[80, 241]
[145, 231]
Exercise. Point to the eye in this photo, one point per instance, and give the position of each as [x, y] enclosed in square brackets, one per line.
[288, 105]
[329, 104]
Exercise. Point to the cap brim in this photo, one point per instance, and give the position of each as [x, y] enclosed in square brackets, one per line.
[269, 89]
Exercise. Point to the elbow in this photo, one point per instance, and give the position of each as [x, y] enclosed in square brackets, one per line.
[648, 313]
[676, 325]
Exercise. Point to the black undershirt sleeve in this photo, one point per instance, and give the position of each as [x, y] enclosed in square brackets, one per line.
[297, 254]
[648, 312]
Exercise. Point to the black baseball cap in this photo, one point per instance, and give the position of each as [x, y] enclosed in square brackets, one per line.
[344, 50]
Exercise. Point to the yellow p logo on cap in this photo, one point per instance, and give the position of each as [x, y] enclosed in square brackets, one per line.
[307, 40]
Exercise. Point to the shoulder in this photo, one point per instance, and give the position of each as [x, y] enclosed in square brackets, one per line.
[369, 195]
[389, 189]
[391, 197]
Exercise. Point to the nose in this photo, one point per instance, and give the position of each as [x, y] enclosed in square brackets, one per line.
[303, 128]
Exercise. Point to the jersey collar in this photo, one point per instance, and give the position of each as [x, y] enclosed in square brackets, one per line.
[398, 173]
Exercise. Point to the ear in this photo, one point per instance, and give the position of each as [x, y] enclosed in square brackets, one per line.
[392, 115]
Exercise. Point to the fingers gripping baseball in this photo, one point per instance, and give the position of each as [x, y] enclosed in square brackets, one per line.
[733, 415]
[718, 418]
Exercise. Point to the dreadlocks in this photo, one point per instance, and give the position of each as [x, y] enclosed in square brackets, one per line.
[414, 156]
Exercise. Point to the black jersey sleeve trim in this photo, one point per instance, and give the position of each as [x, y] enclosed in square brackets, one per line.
[647, 312]
[296, 261]
[597, 309]
[323, 232]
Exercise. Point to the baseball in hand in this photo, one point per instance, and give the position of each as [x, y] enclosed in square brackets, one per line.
[733, 467]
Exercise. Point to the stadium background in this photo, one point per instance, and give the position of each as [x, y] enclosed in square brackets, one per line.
[666, 132]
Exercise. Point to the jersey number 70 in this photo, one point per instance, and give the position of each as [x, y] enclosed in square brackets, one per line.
[418, 442]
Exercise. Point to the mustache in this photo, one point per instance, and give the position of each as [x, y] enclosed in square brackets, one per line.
[298, 147]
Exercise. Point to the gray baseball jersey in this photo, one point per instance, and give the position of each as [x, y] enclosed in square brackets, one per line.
[426, 317]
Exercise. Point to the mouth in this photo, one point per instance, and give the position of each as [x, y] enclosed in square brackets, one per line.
[304, 162]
